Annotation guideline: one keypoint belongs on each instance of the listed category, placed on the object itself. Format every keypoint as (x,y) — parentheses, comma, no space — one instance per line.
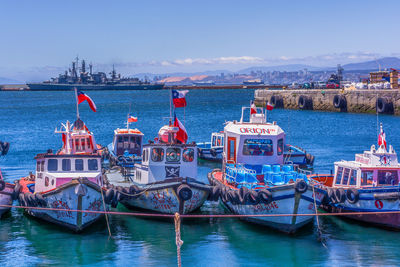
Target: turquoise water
(28,120)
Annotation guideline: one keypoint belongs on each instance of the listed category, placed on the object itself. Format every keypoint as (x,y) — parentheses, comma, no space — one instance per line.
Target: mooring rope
(178,239)
(106,215)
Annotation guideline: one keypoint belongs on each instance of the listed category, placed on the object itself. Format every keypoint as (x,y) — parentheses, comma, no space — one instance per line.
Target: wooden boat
(254,179)
(69,179)
(368,184)
(212,151)
(7,194)
(126,147)
(165,181)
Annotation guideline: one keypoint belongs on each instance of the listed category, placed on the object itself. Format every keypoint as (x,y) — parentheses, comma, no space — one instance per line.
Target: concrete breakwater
(339,100)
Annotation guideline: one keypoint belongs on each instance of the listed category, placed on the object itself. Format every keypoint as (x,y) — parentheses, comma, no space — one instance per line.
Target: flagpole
(77,104)
(170,104)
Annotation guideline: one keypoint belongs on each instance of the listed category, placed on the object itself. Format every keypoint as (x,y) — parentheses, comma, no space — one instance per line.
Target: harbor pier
(338,100)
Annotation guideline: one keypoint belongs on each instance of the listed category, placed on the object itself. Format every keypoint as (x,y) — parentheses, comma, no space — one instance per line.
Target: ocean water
(28,120)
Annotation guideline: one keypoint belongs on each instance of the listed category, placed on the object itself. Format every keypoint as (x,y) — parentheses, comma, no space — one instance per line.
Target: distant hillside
(4,80)
(290,67)
(385,63)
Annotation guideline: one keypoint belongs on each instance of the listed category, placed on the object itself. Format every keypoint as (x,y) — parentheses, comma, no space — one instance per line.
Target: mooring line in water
(106,215)
(139,214)
(178,240)
(320,238)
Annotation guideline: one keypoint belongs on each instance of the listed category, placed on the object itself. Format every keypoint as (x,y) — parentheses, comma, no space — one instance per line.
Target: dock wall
(338,100)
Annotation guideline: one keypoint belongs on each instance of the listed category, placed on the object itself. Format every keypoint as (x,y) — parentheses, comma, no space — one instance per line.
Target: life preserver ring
(352,195)
(2,185)
(184,192)
(340,195)
(213,152)
(265,196)
(300,186)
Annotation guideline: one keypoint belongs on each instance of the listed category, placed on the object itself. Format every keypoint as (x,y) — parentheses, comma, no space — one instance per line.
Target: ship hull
(86,87)
(6,198)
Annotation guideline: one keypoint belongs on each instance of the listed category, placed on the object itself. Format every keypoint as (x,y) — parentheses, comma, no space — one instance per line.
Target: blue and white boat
(254,179)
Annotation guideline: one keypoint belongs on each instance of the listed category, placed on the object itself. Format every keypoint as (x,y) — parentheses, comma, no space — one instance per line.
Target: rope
(317,219)
(106,215)
(178,240)
(160,215)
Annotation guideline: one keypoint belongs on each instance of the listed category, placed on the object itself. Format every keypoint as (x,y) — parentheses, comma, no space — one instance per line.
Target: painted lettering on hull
(162,201)
(265,207)
(256,130)
(95,206)
(59,204)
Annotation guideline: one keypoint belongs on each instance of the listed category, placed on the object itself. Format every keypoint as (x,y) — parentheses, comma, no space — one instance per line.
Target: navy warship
(87,80)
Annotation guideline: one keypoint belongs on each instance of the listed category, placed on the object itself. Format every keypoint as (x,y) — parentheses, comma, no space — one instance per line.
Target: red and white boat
(7,194)
(368,184)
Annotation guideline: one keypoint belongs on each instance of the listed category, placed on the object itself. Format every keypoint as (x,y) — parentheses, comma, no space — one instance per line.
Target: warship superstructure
(87,80)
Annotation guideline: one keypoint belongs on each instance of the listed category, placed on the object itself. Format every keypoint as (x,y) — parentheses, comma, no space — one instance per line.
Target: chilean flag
(270,106)
(253,109)
(382,138)
(178,98)
(82,97)
(181,135)
(132,119)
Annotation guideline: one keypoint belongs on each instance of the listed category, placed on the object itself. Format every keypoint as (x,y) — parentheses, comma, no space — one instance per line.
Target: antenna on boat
(77,104)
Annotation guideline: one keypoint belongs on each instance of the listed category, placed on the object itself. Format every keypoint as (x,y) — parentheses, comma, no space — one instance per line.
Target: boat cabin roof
(135,131)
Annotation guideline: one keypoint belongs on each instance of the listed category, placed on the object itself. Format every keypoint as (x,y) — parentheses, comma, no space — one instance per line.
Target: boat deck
(115,177)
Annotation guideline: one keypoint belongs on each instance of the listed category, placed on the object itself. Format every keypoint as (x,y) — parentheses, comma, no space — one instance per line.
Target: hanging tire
(331,195)
(252,198)
(184,192)
(213,152)
(300,186)
(215,193)
(340,195)
(233,197)
(384,106)
(40,200)
(243,191)
(2,185)
(21,198)
(134,189)
(340,101)
(115,200)
(325,200)
(352,195)
(309,159)
(305,102)
(109,195)
(265,196)
(276,101)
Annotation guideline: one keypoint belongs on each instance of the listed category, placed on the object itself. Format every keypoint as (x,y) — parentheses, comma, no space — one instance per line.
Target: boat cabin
(78,158)
(127,140)
(166,159)
(217,140)
(253,141)
(376,167)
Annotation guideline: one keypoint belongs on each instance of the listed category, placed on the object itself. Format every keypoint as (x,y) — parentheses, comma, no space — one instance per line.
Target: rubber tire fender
(21,198)
(215,193)
(2,185)
(40,199)
(252,198)
(109,195)
(336,101)
(309,159)
(115,200)
(352,195)
(243,191)
(184,192)
(300,186)
(331,195)
(381,104)
(232,197)
(265,196)
(340,195)
(134,189)
(302,102)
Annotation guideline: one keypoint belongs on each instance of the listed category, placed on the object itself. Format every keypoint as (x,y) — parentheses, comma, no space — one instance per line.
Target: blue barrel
(276,168)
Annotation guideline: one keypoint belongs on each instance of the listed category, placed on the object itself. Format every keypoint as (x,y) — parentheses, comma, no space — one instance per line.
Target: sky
(42,37)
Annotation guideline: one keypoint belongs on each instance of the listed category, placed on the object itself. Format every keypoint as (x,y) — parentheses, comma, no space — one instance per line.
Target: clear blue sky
(163,36)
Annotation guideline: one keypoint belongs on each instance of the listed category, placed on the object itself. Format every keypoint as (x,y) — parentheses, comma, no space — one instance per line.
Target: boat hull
(79,194)
(372,201)
(285,200)
(211,154)
(6,198)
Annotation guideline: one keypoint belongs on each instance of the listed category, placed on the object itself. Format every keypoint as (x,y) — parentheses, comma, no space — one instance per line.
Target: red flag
(64,139)
(82,97)
(178,98)
(132,119)
(181,135)
(382,138)
(253,109)
(270,106)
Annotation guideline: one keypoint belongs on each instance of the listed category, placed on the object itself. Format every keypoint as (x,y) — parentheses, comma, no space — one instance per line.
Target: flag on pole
(132,119)
(382,138)
(270,106)
(253,108)
(82,97)
(181,135)
(178,98)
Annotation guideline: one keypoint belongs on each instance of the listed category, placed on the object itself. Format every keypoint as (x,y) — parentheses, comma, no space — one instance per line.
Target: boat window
(79,165)
(231,148)
(345,176)
(52,165)
(339,175)
(92,165)
(119,139)
(214,143)
(144,155)
(126,138)
(386,177)
(88,142)
(157,154)
(46,181)
(133,139)
(367,177)
(353,177)
(173,154)
(280,147)
(219,141)
(83,143)
(258,147)
(42,166)
(38,166)
(66,164)
(188,154)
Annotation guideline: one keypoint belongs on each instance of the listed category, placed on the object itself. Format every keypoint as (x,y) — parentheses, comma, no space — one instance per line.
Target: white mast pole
(170,103)
(77,104)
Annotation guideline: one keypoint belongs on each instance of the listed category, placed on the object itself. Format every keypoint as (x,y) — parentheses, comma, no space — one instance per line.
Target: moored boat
(7,194)
(368,185)
(254,179)
(166,179)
